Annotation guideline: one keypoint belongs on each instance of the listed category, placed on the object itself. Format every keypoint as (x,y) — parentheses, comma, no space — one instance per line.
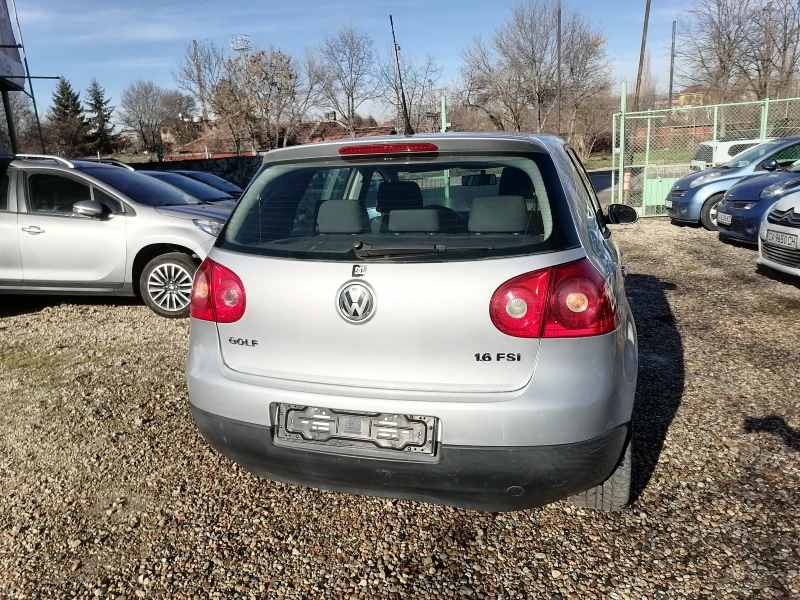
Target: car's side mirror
(770,165)
(88,208)
(621,214)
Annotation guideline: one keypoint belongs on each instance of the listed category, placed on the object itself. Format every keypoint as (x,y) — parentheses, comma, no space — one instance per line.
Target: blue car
(696,197)
(745,205)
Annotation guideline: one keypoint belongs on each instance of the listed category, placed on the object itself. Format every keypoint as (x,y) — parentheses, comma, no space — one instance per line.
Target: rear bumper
(473,477)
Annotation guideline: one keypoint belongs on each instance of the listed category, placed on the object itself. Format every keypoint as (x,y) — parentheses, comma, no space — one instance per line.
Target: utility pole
(637,95)
(558,67)
(672,65)
(28,73)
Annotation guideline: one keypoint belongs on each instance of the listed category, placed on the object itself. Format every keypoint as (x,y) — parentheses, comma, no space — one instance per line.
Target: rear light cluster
(217,294)
(570,300)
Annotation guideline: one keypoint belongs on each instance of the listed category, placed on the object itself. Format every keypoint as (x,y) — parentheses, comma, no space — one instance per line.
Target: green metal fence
(655,148)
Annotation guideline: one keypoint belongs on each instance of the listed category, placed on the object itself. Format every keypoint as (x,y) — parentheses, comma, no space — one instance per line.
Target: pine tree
(101,130)
(67,119)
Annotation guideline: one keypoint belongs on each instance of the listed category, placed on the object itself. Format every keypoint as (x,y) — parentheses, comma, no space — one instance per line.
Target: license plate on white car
(723,218)
(668,203)
(781,239)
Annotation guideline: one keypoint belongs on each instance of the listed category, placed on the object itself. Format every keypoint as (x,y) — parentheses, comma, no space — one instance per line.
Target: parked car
(746,204)
(85,228)
(714,154)
(777,239)
(194,188)
(214,181)
(459,348)
(696,197)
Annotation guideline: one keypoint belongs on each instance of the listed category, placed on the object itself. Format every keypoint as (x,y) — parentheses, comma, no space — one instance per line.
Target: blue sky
(118,41)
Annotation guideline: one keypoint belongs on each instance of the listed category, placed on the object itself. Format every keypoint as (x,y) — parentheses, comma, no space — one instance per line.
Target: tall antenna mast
(408,130)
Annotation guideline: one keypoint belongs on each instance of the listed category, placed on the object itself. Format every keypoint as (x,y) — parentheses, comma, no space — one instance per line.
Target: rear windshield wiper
(365,249)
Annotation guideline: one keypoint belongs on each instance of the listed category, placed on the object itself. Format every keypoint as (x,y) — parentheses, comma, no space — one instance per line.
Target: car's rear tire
(165,284)
(614,493)
(708,216)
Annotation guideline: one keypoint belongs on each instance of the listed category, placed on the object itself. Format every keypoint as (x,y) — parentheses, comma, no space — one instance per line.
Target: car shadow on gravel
(775,425)
(778,276)
(661,374)
(14,305)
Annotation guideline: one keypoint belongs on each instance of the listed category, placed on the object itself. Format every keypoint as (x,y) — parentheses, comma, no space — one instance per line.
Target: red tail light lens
(579,303)
(569,300)
(387,149)
(217,294)
(518,305)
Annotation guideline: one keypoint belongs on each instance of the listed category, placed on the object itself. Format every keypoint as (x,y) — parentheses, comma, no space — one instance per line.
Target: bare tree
(421,81)
(199,72)
(308,92)
(713,45)
(350,80)
(512,79)
(146,106)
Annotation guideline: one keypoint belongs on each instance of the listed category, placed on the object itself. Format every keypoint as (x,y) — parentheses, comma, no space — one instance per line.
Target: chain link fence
(655,148)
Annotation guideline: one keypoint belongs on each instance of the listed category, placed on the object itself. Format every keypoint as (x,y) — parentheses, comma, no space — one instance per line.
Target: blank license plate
(723,218)
(668,203)
(365,434)
(781,239)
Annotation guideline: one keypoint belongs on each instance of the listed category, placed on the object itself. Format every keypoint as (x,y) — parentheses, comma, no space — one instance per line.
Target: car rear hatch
(401,301)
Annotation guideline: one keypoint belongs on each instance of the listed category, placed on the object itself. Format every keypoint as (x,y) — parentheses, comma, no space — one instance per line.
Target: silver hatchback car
(470,344)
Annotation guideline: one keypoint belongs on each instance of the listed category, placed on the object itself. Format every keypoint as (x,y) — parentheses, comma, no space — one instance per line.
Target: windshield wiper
(365,249)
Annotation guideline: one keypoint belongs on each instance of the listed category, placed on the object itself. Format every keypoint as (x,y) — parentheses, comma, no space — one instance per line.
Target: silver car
(471,344)
(87,228)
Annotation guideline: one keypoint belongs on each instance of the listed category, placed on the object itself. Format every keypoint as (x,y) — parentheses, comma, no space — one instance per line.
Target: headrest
(393,195)
(340,216)
(515,182)
(498,214)
(420,220)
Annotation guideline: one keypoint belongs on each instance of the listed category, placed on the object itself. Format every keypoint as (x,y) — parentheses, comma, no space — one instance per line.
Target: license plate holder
(403,437)
(724,218)
(782,239)
(668,203)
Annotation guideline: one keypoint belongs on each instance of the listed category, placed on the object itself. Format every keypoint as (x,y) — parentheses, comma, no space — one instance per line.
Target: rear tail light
(217,294)
(408,148)
(570,300)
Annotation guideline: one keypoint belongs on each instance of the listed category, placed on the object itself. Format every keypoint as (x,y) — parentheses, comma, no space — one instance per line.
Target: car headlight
(779,188)
(210,227)
(704,179)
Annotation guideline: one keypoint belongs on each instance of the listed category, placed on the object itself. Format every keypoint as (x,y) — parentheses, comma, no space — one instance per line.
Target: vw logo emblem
(356,303)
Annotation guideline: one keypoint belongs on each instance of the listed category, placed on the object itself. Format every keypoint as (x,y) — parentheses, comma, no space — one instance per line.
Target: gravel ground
(106,489)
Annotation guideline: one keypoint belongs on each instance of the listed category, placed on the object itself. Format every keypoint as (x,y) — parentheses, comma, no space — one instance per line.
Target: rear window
(704,153)
(437,209)
(739,148)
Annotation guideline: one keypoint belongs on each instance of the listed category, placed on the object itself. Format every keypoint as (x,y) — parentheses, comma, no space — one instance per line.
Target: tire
(614,493)
(165,284)
(708,216)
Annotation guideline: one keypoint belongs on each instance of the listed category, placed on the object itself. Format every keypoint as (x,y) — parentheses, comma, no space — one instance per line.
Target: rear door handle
(33,230)
(624,271)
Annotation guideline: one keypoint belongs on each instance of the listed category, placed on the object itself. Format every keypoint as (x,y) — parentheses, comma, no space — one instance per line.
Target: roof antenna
(408,130)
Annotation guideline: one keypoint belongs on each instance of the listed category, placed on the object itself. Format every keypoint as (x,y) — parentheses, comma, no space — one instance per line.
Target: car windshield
(433,209)
(141,188)
(705,152)
(198,189)
(215,181)
(752,155)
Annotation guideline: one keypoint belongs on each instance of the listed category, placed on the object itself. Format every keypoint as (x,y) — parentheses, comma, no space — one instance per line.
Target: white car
(777,240)
(713,154)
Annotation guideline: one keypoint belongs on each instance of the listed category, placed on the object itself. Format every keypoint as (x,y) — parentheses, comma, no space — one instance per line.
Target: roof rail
(57,159)
(110,161)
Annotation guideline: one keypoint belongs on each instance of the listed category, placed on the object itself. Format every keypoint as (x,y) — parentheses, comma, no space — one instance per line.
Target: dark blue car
(744,206)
